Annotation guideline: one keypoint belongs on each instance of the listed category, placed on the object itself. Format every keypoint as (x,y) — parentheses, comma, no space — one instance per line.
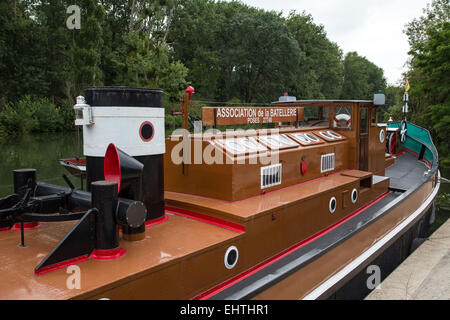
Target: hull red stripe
(277,257)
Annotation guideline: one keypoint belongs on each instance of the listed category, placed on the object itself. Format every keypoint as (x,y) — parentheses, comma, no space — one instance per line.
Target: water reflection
(40,152)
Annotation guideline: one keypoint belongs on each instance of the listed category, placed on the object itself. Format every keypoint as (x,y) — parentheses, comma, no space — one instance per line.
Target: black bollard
(104,198)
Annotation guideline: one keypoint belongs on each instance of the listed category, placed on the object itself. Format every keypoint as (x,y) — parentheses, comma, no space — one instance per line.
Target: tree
(143,56)
(429,74)
(362,78)
(22,54)
(234,51)
(268,56)
(320,73)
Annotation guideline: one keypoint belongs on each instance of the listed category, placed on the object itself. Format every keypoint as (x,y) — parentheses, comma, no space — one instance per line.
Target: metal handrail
(431,147)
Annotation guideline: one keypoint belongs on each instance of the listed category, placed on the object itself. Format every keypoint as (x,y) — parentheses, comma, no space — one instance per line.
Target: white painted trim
(335,205)
(121,126)
(325,286)
(382,135)
(351,195)
(127,112)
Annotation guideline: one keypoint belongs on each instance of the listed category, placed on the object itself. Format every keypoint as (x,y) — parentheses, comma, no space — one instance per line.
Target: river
(41,152)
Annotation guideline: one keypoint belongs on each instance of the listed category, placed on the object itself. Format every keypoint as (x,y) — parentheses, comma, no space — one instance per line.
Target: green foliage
(362,78)
(3,133)
(438,117)
(173,80)
(233,50)
(443,201)
(120,42)
(226,50)
(320,71)
(32,114)
(429,76)
(393,106)
(22,54)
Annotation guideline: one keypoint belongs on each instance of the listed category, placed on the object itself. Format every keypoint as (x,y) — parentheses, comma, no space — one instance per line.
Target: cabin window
(374,116)
(363,115)
(316,116)
(342,117)
(310,113)
(325,116)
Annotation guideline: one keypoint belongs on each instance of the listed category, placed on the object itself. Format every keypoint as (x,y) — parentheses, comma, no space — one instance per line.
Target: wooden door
(363,139)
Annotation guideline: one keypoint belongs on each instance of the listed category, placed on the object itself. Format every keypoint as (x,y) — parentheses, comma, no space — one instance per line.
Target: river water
(42,151)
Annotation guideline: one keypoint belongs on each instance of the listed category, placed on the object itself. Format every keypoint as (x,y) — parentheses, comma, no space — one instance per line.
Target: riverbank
(423,275)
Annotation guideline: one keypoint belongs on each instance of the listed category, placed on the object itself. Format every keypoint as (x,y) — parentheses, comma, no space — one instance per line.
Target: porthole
(146,131)
(332,205)
(382,136)
(354,195)
(231,257)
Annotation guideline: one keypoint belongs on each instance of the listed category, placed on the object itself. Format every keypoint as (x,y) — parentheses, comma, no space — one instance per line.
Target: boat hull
(342,272)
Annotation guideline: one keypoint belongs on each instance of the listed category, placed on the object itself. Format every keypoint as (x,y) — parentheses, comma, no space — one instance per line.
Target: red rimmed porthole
(146,131)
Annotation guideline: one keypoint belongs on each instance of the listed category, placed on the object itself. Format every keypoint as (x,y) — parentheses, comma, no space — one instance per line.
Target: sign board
(223,116)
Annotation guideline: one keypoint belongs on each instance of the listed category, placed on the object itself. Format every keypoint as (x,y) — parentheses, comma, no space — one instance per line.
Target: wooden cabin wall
(213,180)
(246,180)
(232,182)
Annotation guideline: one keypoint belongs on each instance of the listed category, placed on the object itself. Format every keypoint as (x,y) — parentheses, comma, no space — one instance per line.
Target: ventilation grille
(270,175)
(327,162)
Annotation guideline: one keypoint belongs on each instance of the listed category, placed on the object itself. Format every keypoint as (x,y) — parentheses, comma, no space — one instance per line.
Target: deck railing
(419,141)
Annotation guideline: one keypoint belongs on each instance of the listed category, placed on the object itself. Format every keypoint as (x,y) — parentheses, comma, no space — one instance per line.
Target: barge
(297,211)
